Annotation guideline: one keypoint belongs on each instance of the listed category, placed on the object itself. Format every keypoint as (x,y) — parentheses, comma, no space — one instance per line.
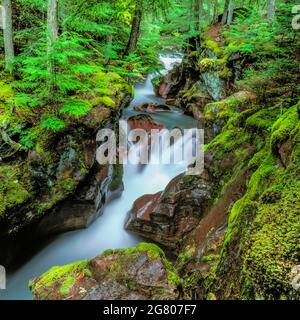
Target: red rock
(144,122)
(151,107)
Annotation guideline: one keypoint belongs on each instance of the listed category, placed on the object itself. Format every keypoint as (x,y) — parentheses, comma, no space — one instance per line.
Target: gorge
(74,228)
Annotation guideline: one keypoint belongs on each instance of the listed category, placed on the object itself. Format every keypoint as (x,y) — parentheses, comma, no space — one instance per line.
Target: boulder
(141,273)
(144,122)
(167,217)
(151,107)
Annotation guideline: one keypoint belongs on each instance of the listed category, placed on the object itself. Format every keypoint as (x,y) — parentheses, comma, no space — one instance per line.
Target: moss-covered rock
(137,273)
(12,192)
(262,240)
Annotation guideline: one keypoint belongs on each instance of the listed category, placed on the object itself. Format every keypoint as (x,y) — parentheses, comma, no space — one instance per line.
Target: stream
(108,231)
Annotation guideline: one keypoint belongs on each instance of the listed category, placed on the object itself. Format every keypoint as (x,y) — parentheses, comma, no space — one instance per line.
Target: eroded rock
(167,217)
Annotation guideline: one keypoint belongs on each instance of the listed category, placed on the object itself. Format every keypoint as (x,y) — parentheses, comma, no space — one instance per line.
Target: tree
(225,13)
(197,13)
(135,28)
(230,12)
(8,33)
(141,8)
(208,11)
(271,10)
(216,11)
(52,34)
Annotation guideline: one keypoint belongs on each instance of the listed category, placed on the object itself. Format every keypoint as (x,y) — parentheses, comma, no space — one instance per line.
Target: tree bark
(225,13)
(271,10)
(197,14)
(209,11)
(216,11)
(52,35)
(230,12)
(52,22)
(8,33)
(135,28)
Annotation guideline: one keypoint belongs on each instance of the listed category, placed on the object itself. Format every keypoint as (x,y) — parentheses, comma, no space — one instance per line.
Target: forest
(70,68)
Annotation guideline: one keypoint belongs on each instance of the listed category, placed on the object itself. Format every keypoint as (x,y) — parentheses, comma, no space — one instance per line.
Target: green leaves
(52,123)
(76,107)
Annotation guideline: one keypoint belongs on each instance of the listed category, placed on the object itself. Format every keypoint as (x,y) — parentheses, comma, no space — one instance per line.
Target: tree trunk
(225,13)
(230,12)
(135,28)
(52,34)
(216,11)
(271,10)
(8,33)
(197,14)
(209,11)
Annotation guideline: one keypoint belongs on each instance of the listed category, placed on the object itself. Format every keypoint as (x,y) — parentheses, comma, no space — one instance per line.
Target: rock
(144,122)
(67,188)
(86,205)
(96,117)
(141,273)
(151,107)
(167,217)
(285,151)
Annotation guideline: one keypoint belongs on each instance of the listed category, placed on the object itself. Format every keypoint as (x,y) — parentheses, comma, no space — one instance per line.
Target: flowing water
(108,231)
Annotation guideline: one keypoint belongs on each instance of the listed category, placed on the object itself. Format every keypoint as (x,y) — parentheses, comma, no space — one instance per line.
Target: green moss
(228,140)
(273,244)
(12,192)
(263,119)
(185,256)
(225,73)
(65,275)
(207,65)
(225,109)
(6,92)
(66,286)
(214,47)
(153,252)
(264,224)
(285,126)
(210,258)
(108,102)
(117,177)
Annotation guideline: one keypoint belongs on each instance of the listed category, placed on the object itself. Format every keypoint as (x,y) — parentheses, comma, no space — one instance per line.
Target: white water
(108,231)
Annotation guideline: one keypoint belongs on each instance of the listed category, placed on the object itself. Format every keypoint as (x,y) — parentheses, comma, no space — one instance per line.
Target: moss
(66,286)
(273,245)
(207,65)
(117,177)
(185,256)
(214,47)
(153,252)
(12,192)
(108,102)
(63,278)
(209,258)
(264,225)
(225,73)
(65,275)
(285,126)
(263,119)
(6,92)
(225,109)
(211,296)
(228,140)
